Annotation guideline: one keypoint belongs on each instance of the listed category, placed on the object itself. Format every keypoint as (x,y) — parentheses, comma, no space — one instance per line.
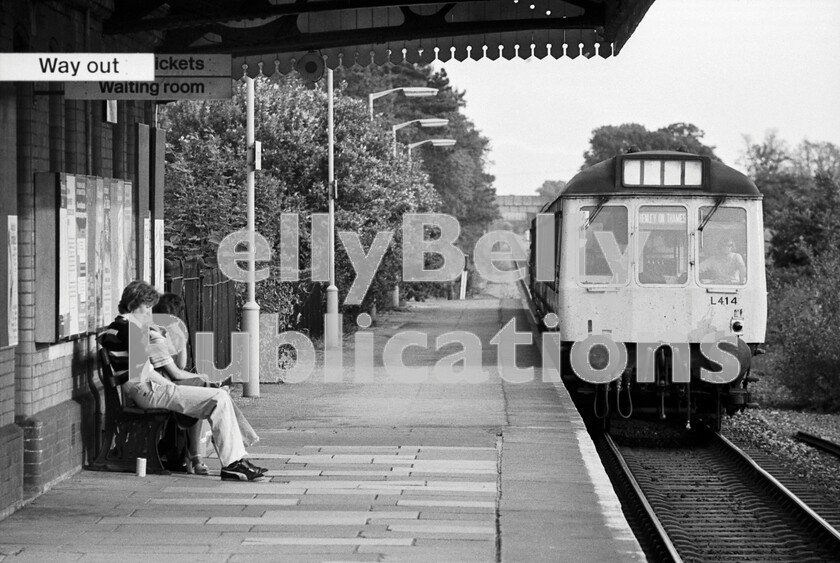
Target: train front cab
(651,265)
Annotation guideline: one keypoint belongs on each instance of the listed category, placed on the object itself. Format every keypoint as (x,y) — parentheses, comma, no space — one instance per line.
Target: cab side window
(722,246)
(603,256)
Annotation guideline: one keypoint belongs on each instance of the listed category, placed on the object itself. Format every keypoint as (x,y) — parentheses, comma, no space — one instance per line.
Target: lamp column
(332,330)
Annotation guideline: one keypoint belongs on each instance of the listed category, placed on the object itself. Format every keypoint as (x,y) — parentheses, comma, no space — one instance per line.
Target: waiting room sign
(176,77)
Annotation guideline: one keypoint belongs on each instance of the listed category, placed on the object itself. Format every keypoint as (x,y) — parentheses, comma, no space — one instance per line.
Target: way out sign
(177,77)
(70,67)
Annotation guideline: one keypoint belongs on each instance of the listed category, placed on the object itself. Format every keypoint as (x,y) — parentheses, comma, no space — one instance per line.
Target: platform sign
(69,67)
(177,77)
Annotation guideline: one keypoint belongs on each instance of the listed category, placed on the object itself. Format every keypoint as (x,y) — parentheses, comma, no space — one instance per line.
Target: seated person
(726,266)
(154,391)
(168,355)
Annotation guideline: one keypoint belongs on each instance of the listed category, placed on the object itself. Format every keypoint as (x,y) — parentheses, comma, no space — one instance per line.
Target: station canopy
(269,36)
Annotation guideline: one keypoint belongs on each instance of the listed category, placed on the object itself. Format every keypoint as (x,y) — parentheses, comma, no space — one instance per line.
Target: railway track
(818,442)
(704,500)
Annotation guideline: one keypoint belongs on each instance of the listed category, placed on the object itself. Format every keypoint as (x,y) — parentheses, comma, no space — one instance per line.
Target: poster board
(86,243)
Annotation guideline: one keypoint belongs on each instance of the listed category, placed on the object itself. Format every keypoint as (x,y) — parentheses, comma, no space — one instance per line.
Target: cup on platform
(141,466)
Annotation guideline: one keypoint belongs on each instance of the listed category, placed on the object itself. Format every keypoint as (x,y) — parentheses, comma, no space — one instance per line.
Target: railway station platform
(371,468)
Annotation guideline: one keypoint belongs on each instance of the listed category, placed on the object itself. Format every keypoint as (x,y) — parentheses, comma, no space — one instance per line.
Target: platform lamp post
(409,91)
(332,328)
(251,310)
(434,143)
(425,122)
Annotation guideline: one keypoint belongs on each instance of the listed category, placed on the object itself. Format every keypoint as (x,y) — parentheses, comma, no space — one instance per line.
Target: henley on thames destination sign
(176,77)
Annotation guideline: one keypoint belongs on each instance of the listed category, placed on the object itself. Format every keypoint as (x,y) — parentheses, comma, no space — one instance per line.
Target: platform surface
(370,468)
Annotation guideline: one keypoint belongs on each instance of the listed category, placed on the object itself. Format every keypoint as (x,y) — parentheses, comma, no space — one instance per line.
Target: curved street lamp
(409,91)
(434,142)
(424,122)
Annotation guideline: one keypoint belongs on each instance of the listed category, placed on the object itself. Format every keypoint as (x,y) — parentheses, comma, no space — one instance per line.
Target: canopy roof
(268,36)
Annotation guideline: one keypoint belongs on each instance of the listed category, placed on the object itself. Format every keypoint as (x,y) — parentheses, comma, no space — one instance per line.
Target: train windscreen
(663,244)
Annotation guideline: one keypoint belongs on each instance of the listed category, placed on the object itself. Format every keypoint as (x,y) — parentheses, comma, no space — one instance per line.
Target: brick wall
(45,406)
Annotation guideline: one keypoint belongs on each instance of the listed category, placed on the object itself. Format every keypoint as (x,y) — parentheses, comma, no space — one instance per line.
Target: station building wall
(46,410)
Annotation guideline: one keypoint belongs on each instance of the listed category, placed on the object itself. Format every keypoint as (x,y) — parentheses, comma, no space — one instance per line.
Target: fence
(210,299)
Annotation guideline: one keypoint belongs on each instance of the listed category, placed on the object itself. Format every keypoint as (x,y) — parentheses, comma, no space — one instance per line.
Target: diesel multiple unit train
(651,267)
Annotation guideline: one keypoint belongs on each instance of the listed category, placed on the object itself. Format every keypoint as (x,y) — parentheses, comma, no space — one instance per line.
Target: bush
(805,321)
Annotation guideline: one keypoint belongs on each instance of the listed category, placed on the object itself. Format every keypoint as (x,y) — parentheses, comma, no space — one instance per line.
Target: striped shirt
(115,341)
(160,350)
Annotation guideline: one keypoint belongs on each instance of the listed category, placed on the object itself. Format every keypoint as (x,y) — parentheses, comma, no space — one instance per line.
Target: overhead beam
(129,22)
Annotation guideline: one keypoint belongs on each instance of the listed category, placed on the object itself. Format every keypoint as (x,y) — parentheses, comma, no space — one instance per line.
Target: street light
(409,91)
(434,142)
(425,122)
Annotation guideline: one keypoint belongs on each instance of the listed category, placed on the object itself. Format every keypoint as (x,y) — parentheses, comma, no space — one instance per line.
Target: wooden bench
(129,432)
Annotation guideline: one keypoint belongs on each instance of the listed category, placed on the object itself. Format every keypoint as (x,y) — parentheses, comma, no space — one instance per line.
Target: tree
(610,140)
(206,177)
(550,189)
(457,173)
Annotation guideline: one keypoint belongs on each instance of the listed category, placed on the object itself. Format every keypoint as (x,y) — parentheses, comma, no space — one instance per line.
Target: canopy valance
(268,36)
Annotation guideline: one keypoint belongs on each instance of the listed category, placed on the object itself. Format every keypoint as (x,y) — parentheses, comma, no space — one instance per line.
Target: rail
(818,442)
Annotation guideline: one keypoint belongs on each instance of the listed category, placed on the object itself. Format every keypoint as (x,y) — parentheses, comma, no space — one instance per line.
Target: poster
(72,325)
(63,260)
(117,242)
(81,317)
(107,310)
(12,298)
(147,250)
(129,247)
(158,281)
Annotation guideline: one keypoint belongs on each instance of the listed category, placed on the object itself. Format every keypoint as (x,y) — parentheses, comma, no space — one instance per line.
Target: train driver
(726,266)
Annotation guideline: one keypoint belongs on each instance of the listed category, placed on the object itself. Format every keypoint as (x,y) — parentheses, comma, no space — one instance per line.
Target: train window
(723,246)
(693,173)
(662,173)
(603,257)
(632,172)
(673,172)
(652,173)
(663,245)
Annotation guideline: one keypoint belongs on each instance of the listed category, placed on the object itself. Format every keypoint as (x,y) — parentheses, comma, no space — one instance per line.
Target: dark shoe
(239,471)
(260,470)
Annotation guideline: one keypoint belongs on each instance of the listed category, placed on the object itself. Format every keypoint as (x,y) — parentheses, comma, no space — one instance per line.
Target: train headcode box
(176,77)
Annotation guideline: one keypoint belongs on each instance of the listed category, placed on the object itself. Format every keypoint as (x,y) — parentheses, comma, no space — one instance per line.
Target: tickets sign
(177,77)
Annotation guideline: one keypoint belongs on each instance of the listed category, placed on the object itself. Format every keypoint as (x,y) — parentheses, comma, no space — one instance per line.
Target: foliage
(550,189)
(206,175)
(804,325)
(457,173)
(801,191)
(610,140)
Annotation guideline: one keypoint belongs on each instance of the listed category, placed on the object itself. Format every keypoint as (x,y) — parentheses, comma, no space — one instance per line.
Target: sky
(733,68)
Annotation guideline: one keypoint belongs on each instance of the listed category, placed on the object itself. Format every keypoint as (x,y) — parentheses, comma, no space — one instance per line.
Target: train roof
(668,172)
